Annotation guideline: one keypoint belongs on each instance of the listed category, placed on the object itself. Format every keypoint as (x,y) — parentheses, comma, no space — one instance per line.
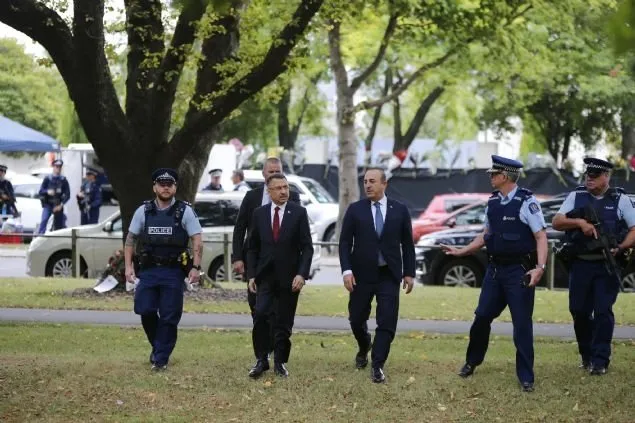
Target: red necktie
(276,224)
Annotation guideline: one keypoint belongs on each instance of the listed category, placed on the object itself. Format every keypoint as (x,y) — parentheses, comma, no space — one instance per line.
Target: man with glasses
(159,234)
(593,287)
(516,243)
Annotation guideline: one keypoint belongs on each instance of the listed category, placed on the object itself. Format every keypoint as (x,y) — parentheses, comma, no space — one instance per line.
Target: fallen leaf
(119,402)
(441,407)
(410,380)
(267,383)
(451,395)
(575,407)
(354,405)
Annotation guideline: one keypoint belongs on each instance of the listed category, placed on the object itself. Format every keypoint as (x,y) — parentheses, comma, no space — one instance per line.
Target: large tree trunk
(347,143)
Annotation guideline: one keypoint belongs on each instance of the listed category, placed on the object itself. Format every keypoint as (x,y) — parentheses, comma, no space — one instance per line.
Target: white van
(320,204)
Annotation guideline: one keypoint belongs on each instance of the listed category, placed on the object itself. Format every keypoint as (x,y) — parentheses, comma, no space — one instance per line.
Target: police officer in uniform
(89,198)
(592,289)
(214,184)
(54,193)
(516,243)
(159,232)
(7,196)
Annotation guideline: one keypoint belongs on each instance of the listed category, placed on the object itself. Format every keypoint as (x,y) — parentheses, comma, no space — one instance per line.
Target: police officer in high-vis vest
(516,243)
(89,198)
(158,238)
(593,285)
(54,193)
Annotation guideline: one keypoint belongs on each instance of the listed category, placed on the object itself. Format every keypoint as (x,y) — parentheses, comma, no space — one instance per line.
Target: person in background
(89,198)
(214,184)
(54,193)
(238,179)
(7,196)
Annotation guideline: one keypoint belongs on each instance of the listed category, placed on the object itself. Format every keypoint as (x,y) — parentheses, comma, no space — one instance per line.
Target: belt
(590,257)
(504,260)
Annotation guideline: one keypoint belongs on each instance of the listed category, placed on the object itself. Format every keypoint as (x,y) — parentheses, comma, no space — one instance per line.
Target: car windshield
(472,216)
(318,191)
(26,190)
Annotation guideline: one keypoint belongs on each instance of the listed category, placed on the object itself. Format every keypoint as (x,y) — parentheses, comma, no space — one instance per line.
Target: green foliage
(29,94)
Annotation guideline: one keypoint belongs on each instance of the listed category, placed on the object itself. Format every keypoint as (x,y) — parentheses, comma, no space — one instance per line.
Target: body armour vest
(55,183)
(507,234)
(163,234)
(607,212)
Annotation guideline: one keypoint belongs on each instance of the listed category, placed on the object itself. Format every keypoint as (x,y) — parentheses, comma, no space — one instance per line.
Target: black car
(434,267)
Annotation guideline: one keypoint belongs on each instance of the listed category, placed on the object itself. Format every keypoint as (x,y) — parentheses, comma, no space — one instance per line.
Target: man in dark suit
(374,233)
(252,200)
(278,263)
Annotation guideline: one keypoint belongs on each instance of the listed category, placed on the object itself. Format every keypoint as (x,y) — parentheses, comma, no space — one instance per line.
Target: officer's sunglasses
(165,183)
(492,174)
(593,175)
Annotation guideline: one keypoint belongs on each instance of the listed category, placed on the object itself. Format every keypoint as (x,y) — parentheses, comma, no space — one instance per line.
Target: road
(13,265)
(302,323)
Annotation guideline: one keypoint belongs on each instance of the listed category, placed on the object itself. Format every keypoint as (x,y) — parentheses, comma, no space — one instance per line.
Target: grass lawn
(425,302)
(64,373)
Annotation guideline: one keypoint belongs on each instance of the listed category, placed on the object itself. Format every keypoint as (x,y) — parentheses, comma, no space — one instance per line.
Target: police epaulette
(527,193)
(616,191)
(148,206)
(580,188)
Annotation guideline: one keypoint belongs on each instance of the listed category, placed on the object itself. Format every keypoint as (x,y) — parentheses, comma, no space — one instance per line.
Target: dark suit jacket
(360,245)
(251,201)
(291,255)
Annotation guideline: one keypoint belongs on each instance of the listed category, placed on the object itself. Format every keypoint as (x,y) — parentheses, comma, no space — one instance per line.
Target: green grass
(64,373)
(425,302)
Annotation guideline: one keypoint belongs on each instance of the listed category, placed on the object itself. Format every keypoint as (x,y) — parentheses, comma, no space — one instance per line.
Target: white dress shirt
(265,197)
(280,212)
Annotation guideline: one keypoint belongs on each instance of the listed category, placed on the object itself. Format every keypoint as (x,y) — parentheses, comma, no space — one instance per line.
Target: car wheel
(217,271)
(60,266)
(330,236)
(460,273)
(628,282)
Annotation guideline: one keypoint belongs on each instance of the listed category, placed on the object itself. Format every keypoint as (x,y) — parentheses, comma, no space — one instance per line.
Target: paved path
(303,323)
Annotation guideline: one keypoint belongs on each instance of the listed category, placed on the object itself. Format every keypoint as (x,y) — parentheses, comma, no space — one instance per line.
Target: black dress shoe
(597,370)
(152,359)
(159,367)
(280,369)
(527,387)
(466,370)
(585,365)
(361,360)
(259,368)
(377,375)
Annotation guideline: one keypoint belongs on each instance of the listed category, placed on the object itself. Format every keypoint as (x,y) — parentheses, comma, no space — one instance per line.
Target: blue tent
(17,137)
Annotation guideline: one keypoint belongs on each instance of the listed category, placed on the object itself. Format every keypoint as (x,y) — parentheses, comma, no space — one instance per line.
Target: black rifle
(603,241)
(10,202)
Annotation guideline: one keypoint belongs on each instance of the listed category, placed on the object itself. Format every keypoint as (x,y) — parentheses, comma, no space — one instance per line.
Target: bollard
(75,265)
(228,259)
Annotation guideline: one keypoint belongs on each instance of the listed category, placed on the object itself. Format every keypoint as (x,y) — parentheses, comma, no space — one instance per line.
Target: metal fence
(227,241)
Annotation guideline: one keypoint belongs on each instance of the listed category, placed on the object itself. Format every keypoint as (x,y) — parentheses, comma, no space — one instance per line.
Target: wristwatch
(198,267)
(541,266)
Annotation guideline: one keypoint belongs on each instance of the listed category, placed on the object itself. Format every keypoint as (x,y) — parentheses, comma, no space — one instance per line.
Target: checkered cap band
(594,166)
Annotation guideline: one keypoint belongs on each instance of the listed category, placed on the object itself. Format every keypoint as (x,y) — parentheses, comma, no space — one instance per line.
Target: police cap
(165,174)
(58,162)
(92,171)
(596,166)
(502,164)
(215,172)
(3,168)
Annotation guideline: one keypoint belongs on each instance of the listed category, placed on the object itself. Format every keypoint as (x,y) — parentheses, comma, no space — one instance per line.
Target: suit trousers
(502,286)
(274,299)
(251,300)
(386,293)
(592,293)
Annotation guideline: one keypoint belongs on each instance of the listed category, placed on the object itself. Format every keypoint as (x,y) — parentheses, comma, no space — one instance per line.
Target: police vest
(607,212)
(507,234)
(163,234)
(55,183)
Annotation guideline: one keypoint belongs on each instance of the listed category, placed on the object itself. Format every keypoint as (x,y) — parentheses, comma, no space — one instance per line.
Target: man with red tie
(279,257)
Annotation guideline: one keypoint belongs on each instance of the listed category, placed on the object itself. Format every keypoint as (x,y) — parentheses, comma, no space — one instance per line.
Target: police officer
(7,196)
(54,193)
(592,289)
(159,233)
(516,243)
(214,184)
(89,198)
(238,179)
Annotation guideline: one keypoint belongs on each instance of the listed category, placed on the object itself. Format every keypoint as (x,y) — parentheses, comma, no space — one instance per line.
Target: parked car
(51,255)
(436,268)
(322,208)
(442,205)
(470,214)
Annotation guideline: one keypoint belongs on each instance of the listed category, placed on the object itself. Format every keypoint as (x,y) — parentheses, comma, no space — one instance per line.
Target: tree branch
(337,65)
(169,73)
(377,113)
(145,44)
(420,115)
(45,26)
(390,29)
(364,105)
(284,135)
(295,129)
(272,65)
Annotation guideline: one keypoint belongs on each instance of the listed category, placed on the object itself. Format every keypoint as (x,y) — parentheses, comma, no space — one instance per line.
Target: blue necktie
(379,227)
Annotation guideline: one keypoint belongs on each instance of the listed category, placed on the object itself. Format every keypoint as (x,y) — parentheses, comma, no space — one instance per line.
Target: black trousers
(386,293)
(251,299)
(274,310)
